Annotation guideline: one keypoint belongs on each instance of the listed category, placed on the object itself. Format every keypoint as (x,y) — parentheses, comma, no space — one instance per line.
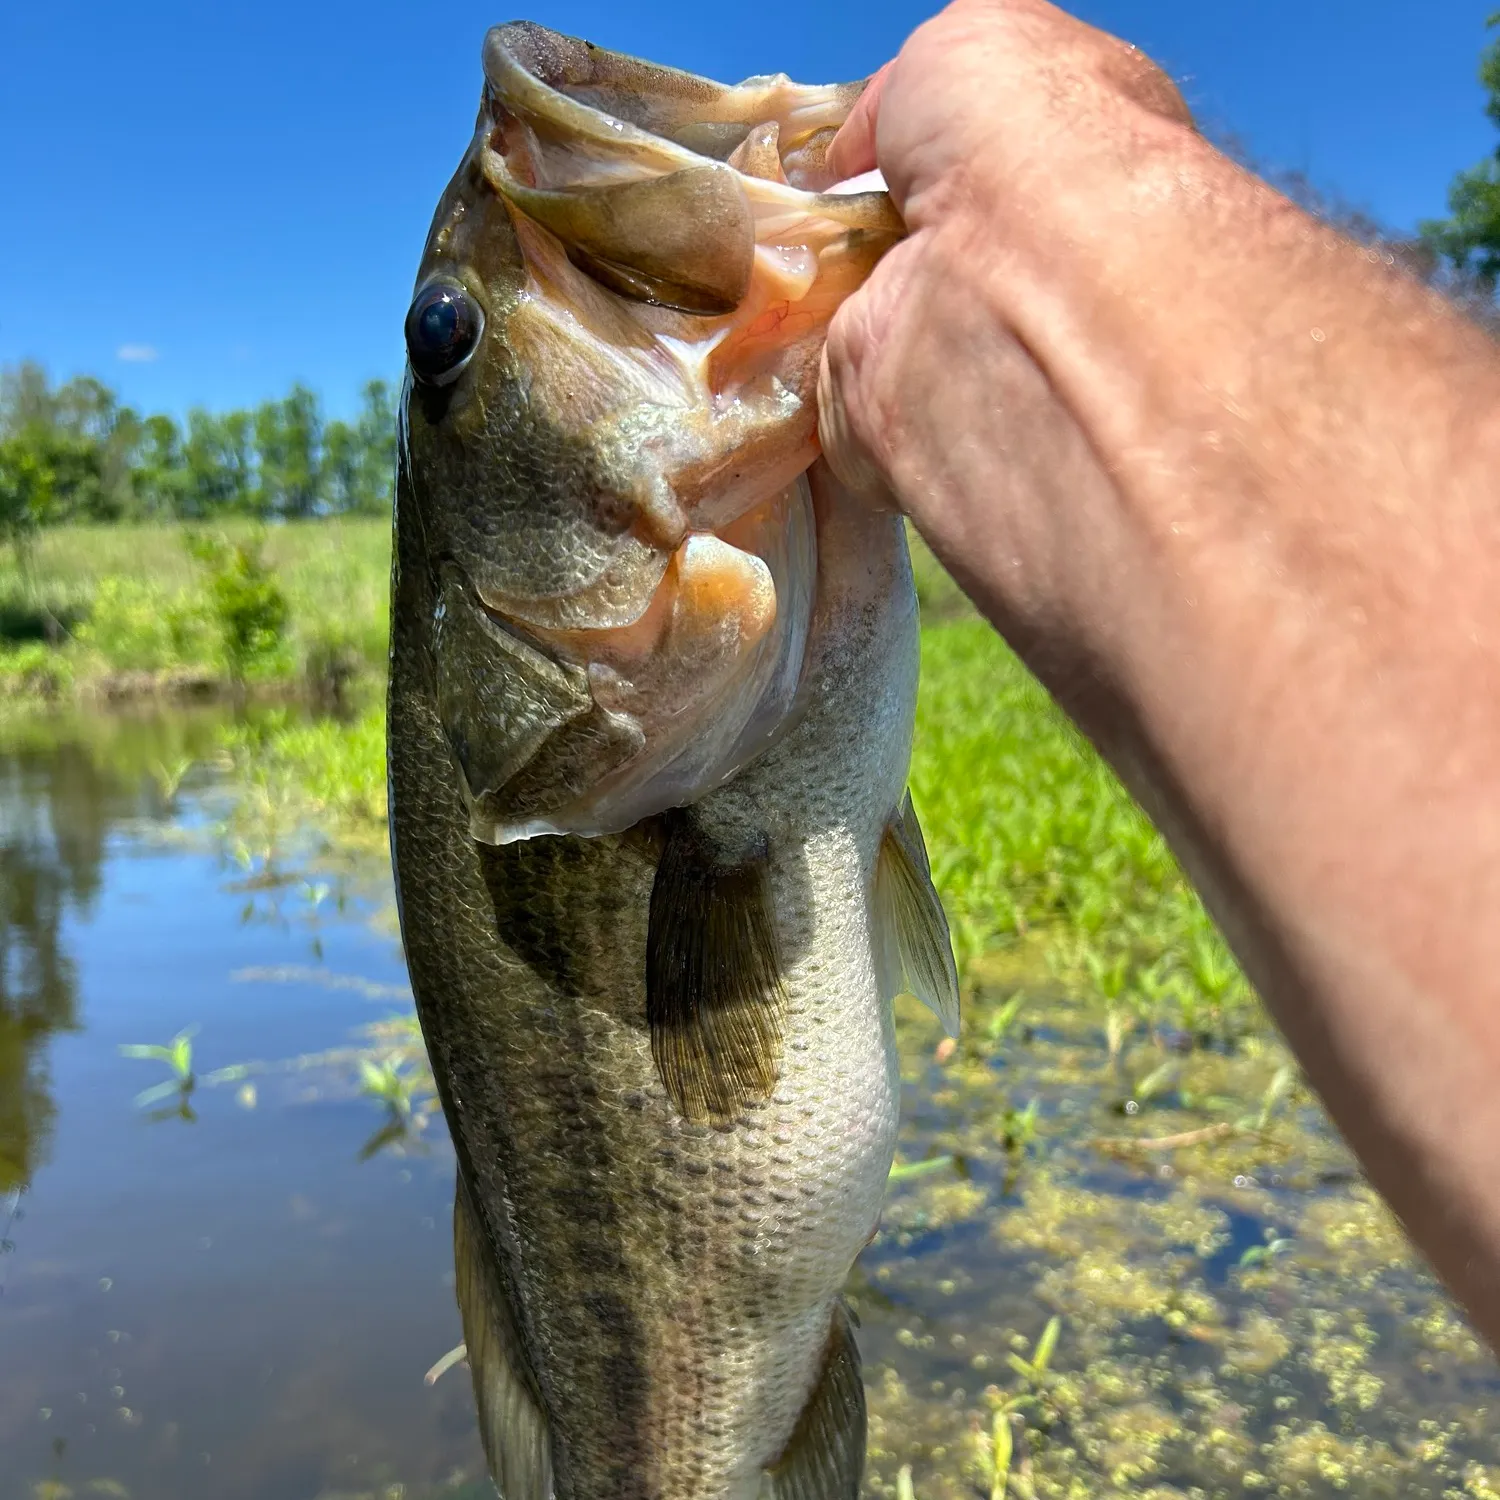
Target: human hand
(1225,480)
(1008,132)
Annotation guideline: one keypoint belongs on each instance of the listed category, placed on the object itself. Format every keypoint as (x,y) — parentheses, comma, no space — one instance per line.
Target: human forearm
(1298,658)
(1223,478)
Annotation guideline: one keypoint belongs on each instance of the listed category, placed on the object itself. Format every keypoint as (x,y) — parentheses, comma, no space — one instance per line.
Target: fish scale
(665,1052)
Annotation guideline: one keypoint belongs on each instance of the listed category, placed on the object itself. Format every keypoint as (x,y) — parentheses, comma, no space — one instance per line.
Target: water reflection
(243,1308)
(65,784)
(52,828)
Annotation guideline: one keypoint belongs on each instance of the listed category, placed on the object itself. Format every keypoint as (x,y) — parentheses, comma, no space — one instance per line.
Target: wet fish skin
(662,1184)
(595,437)
(673,1284)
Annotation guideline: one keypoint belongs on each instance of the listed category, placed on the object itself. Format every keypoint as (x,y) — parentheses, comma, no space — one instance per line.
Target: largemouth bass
(652,688)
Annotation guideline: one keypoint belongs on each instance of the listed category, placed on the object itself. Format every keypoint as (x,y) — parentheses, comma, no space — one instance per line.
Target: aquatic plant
(177,1054)
(168,777)
(387,1080)
(906,1171)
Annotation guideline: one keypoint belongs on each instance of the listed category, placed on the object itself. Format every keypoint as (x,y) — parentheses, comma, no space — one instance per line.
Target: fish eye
(442,331)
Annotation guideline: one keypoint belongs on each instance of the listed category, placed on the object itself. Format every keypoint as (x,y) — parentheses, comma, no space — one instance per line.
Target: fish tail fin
(512,1423)
(825,1459)
(913,948)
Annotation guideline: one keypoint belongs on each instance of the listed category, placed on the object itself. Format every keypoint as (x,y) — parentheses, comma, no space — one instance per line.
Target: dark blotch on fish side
(715,1000)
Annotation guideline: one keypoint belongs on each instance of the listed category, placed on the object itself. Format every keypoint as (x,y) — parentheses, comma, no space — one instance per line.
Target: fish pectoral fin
(913,947)
(826,1456)
(685,240)
(512,1423)
(715,1001)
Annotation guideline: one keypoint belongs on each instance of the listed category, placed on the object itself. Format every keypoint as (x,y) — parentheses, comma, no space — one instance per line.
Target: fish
(651,698)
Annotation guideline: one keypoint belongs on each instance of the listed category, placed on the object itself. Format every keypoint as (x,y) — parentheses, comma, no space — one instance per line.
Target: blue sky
(202,203)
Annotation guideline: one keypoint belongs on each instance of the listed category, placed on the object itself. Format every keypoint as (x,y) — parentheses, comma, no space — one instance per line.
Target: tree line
(1468,240)
(75,452)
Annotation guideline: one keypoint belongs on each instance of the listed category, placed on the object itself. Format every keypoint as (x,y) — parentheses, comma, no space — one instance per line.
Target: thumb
(853,465)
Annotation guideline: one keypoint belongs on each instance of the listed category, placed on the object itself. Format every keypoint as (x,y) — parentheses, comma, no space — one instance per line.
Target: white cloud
(136,354)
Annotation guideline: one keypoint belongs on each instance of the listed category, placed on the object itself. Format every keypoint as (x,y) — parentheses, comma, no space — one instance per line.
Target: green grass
(95,604)
(1030,833)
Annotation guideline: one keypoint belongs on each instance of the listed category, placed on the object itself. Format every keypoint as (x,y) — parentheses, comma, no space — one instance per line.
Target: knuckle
(1143,81)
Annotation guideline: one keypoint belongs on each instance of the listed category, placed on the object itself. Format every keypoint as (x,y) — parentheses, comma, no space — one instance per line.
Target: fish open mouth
(685,225)
(682,258)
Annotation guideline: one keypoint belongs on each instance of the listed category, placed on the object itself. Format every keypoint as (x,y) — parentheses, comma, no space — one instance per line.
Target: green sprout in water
(904,1171)
(1001,1449)
(168,777)
(1281,1087)
(403,1093)
(1001,1022)
(1034,1372)
(1161,1080)
(389,1083)
(314,893)
(1260,1255)
(178,1056)
(1035,1376)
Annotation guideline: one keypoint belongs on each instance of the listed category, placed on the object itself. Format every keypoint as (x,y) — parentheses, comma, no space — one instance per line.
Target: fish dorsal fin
(715,999)
(826,1456)
(512,1424)
(914,950)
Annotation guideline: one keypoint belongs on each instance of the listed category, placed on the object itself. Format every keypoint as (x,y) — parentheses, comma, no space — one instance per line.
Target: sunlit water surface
(235,1291)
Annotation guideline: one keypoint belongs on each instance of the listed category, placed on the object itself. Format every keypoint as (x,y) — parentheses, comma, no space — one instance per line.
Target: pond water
(235,1298)
(236,1290)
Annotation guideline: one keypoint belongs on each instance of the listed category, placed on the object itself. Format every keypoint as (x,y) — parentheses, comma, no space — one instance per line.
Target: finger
(851,462)
(853,148)
(1140,79)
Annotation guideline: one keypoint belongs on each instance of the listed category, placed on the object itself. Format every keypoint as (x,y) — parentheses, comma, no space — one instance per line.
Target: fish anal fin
(914,950)
(826,1456)
(715,1001)
(512,1423)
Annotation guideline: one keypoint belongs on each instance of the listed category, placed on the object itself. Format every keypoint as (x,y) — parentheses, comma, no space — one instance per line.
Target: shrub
(246,601)
(33,669)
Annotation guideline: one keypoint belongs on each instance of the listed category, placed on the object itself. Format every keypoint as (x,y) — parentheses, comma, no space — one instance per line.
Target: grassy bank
(121,610)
